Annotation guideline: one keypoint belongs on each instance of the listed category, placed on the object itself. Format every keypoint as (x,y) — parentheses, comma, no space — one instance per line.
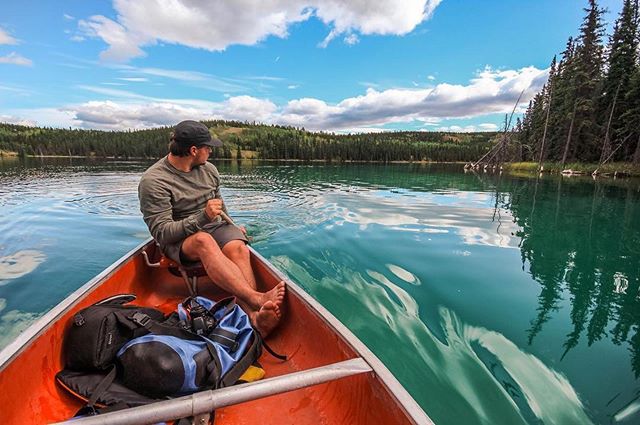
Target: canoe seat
(189,272)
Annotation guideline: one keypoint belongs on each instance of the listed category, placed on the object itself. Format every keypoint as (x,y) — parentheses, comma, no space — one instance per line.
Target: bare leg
(263,308)
(268,316)
(237,252)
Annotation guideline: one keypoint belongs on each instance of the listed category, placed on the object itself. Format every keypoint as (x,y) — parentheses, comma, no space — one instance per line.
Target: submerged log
(570,172)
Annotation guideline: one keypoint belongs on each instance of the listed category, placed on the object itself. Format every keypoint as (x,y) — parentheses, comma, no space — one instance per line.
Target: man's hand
(213,208)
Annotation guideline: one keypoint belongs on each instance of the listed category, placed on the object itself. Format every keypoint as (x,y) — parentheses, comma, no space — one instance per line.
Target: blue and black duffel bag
(119,355)
(160,365)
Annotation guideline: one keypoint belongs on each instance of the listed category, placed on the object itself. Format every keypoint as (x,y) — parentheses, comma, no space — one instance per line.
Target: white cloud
(431,77)
(216,25)
(489,92)
(17,120)
(123,44)
(68,17)
(459,128)
(51,117)
(17,90)
(351,39)
(488,127)
(193,78)
(5,38)
(134,79)
(15,59)
(292,86)
(385,17)
(110,115)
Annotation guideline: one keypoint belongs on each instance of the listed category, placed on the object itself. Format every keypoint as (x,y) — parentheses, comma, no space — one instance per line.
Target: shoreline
(141,158)
(611,170)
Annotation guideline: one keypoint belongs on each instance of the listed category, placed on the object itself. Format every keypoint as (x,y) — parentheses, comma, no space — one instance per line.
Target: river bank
(613,169)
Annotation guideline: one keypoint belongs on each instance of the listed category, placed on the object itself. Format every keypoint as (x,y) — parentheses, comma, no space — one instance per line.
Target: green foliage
(591,96)
(267,142)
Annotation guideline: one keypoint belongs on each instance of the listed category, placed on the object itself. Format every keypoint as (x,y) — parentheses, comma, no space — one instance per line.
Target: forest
(250,141)
(589,109)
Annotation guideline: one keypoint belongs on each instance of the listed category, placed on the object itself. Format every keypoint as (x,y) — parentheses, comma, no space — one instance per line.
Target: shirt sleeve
(216,193)
(155,205)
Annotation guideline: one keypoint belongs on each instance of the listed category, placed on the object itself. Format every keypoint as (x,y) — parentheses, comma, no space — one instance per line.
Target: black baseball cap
(194,133)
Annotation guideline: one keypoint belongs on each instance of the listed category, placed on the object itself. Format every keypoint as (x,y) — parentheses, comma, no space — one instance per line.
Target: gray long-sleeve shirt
(173,201)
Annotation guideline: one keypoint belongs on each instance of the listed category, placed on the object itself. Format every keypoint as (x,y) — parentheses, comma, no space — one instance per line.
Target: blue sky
(329,65)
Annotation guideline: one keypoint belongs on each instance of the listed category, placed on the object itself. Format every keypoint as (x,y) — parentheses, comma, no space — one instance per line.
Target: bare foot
(275,295)
(266,319)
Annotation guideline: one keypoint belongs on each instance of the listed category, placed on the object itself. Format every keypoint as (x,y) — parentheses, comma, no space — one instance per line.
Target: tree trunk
(606,145)
(566,146)
(546,124)
(636,155)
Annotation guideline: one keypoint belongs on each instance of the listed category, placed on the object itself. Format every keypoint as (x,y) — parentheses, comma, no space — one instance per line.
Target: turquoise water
(493,299)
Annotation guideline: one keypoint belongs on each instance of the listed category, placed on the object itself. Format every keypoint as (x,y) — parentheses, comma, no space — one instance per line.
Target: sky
(325,65)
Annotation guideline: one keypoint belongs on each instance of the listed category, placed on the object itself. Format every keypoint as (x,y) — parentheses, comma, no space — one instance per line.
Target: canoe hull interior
(30,395)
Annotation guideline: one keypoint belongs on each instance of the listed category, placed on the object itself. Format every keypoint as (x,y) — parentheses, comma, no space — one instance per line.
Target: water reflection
(581,242)
(488,379)
(19,264)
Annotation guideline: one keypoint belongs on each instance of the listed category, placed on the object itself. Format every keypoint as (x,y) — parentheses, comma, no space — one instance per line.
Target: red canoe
(329,378)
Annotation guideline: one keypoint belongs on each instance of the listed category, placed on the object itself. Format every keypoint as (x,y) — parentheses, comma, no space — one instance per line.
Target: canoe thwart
(207,401)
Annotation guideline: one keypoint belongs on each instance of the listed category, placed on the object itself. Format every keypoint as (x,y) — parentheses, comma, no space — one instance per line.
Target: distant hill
(250,140)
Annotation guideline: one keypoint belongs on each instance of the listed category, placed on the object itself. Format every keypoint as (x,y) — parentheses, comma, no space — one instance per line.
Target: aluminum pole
(207,401)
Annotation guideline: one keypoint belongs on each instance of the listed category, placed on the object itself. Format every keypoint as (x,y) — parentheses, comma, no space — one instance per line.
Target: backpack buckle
(140,319)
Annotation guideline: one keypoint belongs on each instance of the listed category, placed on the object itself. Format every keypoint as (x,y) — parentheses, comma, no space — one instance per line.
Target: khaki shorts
(222,233)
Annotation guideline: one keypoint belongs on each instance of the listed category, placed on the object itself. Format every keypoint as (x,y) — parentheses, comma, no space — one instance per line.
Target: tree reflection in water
(585,246)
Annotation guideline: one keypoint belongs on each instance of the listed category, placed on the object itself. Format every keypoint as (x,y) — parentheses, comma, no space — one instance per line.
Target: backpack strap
(89,409)
(249,357)
(139,319)
(273,353)
(225,338)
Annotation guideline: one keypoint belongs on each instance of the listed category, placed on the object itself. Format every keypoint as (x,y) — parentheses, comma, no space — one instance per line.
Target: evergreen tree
(631,117)
(622,63)
(589,62)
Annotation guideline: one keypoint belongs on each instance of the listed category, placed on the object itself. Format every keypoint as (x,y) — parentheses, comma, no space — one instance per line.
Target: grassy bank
(619,168)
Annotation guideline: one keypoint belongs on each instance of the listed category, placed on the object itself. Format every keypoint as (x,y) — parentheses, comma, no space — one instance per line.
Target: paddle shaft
(208,401)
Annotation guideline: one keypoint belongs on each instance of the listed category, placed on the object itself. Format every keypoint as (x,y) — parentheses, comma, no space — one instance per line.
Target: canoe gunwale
(42,324)
(410,406)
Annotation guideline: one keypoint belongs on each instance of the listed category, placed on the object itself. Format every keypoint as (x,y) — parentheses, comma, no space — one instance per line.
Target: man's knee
(236,249)
(201,241)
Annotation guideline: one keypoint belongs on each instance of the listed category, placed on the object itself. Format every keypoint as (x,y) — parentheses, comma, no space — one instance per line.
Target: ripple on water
(19,264)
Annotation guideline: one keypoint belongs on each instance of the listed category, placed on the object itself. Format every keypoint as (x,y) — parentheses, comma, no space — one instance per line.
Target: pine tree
(564,115)
(631,117)
(622,63)
(589,62)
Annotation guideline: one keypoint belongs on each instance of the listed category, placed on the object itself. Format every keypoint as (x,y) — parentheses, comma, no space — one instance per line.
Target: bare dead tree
(544,133)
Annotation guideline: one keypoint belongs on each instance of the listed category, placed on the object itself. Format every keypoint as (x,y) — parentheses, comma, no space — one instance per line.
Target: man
(181,203)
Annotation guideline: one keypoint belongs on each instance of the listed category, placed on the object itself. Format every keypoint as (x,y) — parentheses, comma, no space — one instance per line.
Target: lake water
(493,299)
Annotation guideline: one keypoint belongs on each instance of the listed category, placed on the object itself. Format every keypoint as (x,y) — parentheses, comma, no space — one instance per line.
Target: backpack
(99,331)
(119,356)
(158,365)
